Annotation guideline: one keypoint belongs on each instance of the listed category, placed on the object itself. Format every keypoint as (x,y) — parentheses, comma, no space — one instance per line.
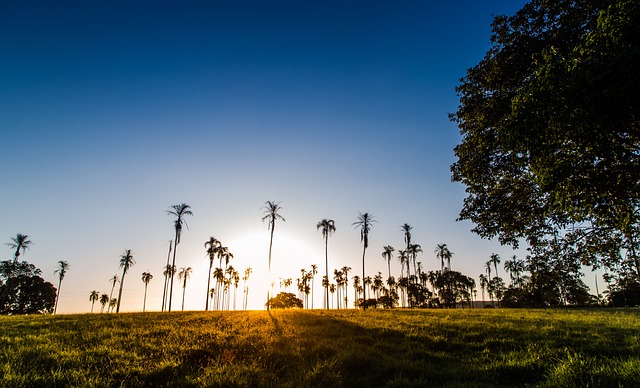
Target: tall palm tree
(356,287)
(179,211)
(387,253)
(63,267)
(20,243)
(327,227)
(247,273)
(488,266)
(112,304)
(413,251)
(514,267)
(93,297)
(184,275)
(364,222)
(218,274)
(146,278)
(271,215)
(443,253)
(104,300)
(345,283)
(495,260)
(166,273)
(213,245)
(313,272)
(406,229)
(126,262)
(113,282)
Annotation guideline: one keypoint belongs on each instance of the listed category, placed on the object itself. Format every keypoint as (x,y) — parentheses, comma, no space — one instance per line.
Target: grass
(456,348)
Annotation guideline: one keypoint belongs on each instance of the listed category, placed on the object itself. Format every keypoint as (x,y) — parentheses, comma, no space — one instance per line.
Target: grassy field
(471,348)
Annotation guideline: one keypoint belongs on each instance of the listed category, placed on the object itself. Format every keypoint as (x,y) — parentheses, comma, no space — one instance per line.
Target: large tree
(327,227)
(550,129)
(23,290)
(179,212)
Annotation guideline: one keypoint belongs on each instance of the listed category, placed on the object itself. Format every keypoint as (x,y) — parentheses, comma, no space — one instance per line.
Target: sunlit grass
(319,348)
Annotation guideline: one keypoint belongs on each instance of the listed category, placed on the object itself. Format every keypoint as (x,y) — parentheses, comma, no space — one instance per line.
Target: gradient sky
(110,112)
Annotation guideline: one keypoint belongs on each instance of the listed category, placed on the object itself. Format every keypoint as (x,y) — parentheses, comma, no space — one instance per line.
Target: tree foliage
(284,300)
(550,129)
(23,290)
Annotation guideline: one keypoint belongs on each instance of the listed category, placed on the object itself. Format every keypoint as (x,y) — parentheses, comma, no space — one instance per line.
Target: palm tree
(20,243)
(179,211)
(345,270)
(332,289)
(218,274)
(213,245)
(413,251)
(443,253)
(495,260)
(327,227)
(406,229)
(166,273)
(271,215)
(387,251)
(126,262)
(364,223)
(112,303)
(93,297)
(63,266)
(113,282)
(356,287)
(104,299)
(313,272)
(515,267)
(403,259)
(146,278)
(247,273)
(184,275)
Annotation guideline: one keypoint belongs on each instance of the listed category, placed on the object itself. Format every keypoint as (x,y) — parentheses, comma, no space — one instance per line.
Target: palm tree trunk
(55,307)
(364,289)
(120,292)
(206,305)
(173,265)
(270,246)
(326,262)
(144,303)
(166,279)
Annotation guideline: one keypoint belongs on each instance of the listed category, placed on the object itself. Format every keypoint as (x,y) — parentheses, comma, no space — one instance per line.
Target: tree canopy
(550,130)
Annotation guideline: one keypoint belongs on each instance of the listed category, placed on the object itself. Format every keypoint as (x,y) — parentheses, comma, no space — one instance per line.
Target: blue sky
(112,111)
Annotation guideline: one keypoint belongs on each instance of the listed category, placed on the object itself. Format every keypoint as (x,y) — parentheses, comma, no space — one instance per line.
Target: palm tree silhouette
(245,278)
(413,251)
(406,229)
(146,278)
(184,275)
(483,286)
(166,273)
(495,260)
(271,215)
(113,282)
(443,253)
(126,262)
(93,297)
(387,251)
(218,274)
(104,299)
(179,211)
(213,246)
(364,223)
(112,303)
(20,243)
(327,227)
(313,272)
(345,283)
(63,267)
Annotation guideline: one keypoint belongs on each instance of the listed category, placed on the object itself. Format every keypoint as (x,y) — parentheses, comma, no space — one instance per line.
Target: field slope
(472,348)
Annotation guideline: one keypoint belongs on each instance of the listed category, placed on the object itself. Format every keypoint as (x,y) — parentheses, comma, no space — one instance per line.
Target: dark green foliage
(22,291)
(285,300)
(551,130)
